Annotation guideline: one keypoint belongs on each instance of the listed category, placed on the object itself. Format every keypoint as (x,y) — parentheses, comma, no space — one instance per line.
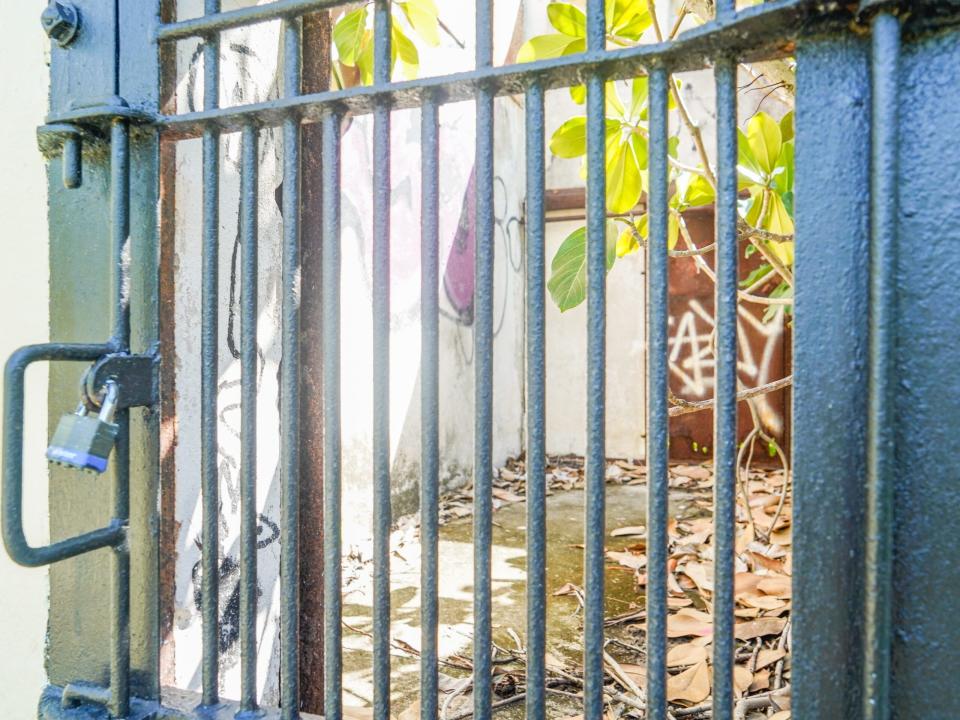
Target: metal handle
(12,514)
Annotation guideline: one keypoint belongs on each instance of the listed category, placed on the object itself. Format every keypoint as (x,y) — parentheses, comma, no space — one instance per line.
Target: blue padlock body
(81,460)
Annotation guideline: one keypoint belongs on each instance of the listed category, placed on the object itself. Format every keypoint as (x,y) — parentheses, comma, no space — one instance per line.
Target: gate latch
(115,381)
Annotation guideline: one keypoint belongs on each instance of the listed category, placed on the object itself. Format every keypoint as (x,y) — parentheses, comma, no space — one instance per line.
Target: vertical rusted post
(316,78)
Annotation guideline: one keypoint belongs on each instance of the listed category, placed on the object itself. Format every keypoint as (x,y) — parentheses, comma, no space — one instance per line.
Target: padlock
(84,441)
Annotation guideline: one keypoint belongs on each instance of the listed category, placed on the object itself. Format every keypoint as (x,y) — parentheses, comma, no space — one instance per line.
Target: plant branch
(701,263)
(681,108)
(682,406)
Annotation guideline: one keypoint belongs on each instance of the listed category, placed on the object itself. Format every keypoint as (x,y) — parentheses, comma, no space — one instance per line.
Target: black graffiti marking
(228,581)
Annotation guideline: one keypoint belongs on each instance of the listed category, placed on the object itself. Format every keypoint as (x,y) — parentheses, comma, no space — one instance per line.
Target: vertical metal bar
(382,516)
(120,228)
(657,419)
(536,409)
(483,373)
(120,641)
(290,387)
(725,391)
(429,403)
(209,378)
(884,209)
(332,601)
(248,418)
(595,511)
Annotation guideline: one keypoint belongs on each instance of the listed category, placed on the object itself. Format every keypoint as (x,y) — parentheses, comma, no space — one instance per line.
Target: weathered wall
(249,68)
(23,295)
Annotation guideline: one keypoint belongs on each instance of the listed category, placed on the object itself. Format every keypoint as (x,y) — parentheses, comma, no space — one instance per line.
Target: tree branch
(684,407)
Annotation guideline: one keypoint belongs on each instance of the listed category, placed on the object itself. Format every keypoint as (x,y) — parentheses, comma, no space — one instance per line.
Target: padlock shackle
(14,538)
(111,395)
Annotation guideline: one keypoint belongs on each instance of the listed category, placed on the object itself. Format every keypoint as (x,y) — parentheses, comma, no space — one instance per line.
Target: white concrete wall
(249,68)
(23,297)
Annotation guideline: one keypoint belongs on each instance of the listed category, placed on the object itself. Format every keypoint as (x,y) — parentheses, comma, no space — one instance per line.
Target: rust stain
(316,78)
(169,527)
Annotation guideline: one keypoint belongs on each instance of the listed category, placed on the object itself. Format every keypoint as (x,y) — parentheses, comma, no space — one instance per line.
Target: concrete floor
(626,506)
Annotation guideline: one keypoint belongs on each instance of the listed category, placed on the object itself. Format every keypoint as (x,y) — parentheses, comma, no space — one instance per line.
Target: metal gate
(875,387)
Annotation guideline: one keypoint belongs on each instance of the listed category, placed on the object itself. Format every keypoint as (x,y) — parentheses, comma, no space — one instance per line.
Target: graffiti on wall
(692,362)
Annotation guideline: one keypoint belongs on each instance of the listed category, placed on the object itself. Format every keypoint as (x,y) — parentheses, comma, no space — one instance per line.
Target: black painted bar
(658,452)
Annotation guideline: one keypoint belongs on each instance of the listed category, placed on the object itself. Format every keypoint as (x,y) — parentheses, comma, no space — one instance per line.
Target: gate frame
(830,412)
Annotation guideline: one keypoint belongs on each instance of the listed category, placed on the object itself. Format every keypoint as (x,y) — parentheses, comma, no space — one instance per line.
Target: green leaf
(570,139)
(783,172)
(406,51)
(423,18)
(365,58)
(782,251)
(787,198)
(778,220)
(754,276)
(640,150)
(627,19)
(673,231)
(638,96)
(751,211)
(673,144)
(578,93)
(567,19)
(747,166)
(765,141)
(781,291)
(548,46)
(624,184)
(568,270)
(348,35)
(787,130)
(699,192)
(628,241)
(613,103)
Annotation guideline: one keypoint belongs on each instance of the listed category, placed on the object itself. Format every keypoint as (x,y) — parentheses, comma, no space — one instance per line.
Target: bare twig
(499,705)
(682,109)
(702,265)
(757,702)
(682,406)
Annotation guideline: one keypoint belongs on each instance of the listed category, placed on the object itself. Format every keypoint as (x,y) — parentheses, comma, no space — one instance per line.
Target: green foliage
(626,22)
(568,279)
(353,40)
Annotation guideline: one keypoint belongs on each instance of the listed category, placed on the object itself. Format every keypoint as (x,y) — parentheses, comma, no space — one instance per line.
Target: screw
(61,20)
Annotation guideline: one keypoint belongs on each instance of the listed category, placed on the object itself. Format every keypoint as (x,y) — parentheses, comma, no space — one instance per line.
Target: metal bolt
(61,21)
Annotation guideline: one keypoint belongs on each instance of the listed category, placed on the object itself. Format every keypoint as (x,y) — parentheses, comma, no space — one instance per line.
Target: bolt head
(60,20)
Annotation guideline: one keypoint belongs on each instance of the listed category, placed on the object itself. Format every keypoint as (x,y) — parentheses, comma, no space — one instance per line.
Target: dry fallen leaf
(630,530)
(761,681)
(701,574)
(741,679)
(759,628)
(689,622)
(782,715)
(627,559)
(778,585)
(507,496)
(691,686)
(694,472)
(746,582)
(686,654)
(636,673)
(768,657)
(763,602)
